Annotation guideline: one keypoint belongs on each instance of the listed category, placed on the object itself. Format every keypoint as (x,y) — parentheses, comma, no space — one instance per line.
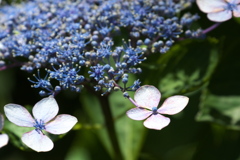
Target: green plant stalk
(109,122)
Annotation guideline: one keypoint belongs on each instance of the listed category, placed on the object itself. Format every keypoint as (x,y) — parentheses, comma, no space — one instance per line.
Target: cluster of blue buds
(89,42)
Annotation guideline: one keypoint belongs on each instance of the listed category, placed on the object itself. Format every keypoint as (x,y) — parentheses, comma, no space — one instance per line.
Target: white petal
(18,115)
(46,109)
(173,105)
(3,140)
(220,16)
(147,97)
(1,122)
(236,13)
(37,141)
(233,1)
(138,113)
(156,121)
(61,124)
(209,6)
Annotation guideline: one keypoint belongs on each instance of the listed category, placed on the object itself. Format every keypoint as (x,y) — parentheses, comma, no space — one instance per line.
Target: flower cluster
(77,42)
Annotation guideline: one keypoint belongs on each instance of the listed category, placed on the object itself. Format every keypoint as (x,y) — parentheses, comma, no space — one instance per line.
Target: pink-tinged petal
(233,1)
(236,12)
(173,105)
(46,109)
(18,115)
(147,97)
(3,140)
(156,121)
(138,113)
(1,122)
(209,6)
(37,141)
(220,16)
(61,124)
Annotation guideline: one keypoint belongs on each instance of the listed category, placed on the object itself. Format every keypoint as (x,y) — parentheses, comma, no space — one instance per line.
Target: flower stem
(132,101)
(109,121)
(211,28)
(128,97)
(10,66)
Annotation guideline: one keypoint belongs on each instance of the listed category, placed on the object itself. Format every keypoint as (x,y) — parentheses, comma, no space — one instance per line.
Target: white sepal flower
(3,140)
(220,10)
(3,137)
(147,98)
(44,113)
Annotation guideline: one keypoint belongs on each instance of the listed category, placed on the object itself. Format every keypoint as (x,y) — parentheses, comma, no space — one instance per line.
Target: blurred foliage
(130,133)
(11,1)
(184,69)
(224,110)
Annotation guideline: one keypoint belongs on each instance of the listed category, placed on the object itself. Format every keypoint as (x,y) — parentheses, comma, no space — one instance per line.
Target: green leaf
(224,110)
(184,68)
(220,103)
(79,149)
(237,19)
(130,133)
(78,153)
(92,107)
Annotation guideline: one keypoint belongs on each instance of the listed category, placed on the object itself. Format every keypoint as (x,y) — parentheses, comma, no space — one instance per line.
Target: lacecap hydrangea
(89,42)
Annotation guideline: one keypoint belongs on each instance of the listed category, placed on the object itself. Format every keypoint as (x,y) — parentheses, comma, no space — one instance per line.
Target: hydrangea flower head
(44,113)
(3,137)
(147,98)
(220,10)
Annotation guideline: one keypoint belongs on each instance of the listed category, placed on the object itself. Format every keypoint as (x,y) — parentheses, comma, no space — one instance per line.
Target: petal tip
(37,141)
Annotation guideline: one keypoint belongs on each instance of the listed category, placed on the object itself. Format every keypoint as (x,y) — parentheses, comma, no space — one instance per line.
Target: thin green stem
(109,121)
